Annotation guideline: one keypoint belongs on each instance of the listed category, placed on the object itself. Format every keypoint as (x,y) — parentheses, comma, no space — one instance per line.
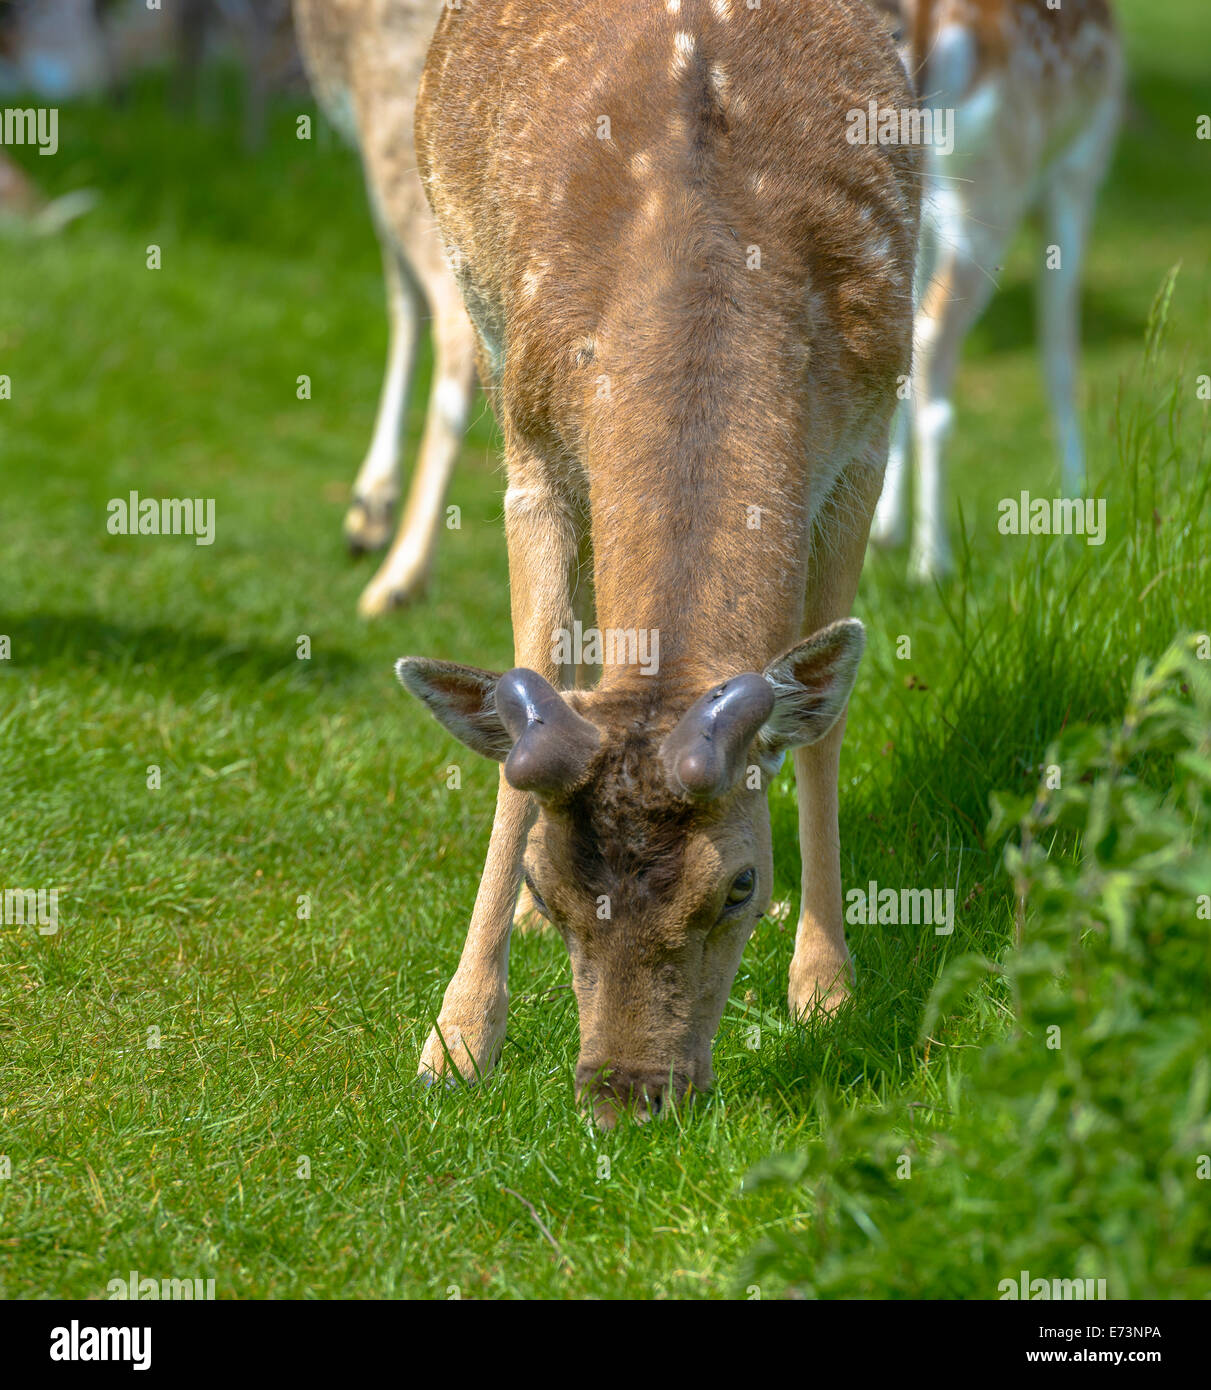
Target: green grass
(284,1038)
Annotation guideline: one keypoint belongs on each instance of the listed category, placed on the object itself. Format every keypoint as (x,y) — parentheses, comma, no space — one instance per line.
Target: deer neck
(698,475)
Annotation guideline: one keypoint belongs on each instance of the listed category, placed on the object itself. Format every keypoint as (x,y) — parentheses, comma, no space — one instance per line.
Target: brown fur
(726,351)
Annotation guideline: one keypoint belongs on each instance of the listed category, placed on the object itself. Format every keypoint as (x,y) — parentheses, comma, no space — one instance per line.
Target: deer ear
(811,685)
(462,699)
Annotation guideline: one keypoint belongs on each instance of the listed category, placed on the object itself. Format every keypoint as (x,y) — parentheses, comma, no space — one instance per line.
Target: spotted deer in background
(1036,93)
(364,59)
(692,298)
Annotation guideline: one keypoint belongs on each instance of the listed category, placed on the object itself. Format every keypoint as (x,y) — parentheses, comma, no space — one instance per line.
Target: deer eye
(743,887)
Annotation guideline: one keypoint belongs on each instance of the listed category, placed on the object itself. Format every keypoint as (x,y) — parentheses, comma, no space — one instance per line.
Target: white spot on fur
(683,46)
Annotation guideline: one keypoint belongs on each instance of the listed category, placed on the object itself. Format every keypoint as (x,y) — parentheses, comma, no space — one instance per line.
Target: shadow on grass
(183,660)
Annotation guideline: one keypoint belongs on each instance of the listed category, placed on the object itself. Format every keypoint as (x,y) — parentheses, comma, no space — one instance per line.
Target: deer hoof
(452,1051)
(819,987)
(369,523)
(383,595)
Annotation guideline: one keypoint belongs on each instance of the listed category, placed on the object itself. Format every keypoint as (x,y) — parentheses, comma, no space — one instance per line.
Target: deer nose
(617,1090)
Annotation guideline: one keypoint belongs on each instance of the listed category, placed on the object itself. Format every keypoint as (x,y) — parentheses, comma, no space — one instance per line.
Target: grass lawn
(197,1078)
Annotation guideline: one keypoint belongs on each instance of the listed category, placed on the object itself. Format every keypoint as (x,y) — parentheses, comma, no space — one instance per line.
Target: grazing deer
(364,58)
(1036,93)
(692,298)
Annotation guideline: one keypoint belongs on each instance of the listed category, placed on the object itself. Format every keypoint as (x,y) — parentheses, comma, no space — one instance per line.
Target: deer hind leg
(542,534)
(953,300)
(889,526)
(406,567)
(369,521)
(820,971)
(1067,209)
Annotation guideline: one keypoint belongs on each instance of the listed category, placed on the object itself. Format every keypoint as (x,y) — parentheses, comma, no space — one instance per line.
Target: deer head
(650,852)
